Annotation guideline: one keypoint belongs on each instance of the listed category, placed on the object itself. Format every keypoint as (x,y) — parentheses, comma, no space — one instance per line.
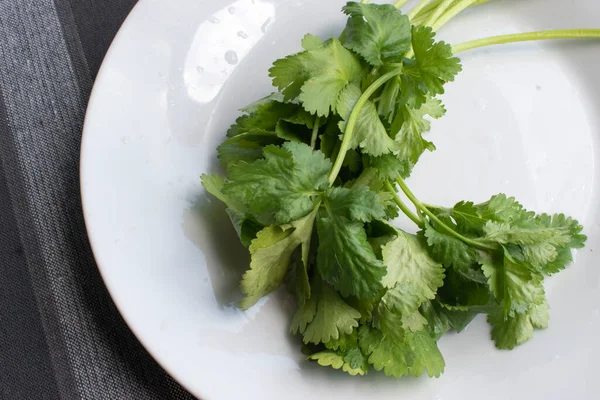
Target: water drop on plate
(199,69)
(242,34)
(125,139)
(214,20)
(231,57)
(265,26)
(231,10)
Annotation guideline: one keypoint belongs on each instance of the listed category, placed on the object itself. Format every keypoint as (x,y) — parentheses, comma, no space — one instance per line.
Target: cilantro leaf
(516,330)
(369,133)
(401,353)
(344,353)
(378,32)
(246,147)
(356,204)
(431,68)
(297,279)
(412,278)
(389,167)
(526,234)
(245,227)
(449,250)
(325,316)
(409,126)
(280,188)
(345,258)
(318,75)
(388,101)
(409,265)
(271,252)
(352,363)
(214,185)
(514,284)
(263,116)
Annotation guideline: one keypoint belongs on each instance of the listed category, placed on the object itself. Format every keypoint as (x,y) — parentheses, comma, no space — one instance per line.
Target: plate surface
(521,119)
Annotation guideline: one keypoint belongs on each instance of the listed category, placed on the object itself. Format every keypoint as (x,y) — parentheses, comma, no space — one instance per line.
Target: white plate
(521,119)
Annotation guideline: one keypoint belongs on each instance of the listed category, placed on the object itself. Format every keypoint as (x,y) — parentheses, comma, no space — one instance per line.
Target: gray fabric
(61,335)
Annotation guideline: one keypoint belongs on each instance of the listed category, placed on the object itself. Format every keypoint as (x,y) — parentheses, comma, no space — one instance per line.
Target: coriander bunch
(311,188)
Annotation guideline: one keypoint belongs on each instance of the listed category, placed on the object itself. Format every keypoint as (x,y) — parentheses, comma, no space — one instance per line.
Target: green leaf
(296,278)
(438,322)
(529,234)
(449,250)
(364,306)
(462,292)
(344,353)
(325,316)
(356,204)
(318,75)
(263,116)
(271,253)
(345,258)
(409,126)
(514,283)
(389,167)
(353,362)
(516,330)
(501,208)
(388,100)
(412,278)
(410,266)
(432,67)
(214,185)
(369,133)
(378,32)
(402,353)
(563,258)
(280,188)
(245,227)
(246,147)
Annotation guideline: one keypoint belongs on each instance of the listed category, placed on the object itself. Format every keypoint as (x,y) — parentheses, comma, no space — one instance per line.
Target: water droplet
(224,72)
(242,34)
(231,57)
(214,20)
(205,280)
(200,69)
(538,87)
(125,139)
(265,26)
(231,10)
(365,19)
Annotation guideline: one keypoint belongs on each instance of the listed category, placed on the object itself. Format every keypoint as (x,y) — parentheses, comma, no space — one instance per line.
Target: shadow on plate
(207,225)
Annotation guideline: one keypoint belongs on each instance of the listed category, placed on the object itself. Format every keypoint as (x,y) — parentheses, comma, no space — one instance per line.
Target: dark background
(61,336)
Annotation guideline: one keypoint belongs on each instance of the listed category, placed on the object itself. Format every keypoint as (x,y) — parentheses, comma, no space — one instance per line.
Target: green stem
(524,37)
(438,12)
(417,9)
(438,222)
(434,4)
(403,206)
(453,12)
(351,124)
(315,132)
(400,3)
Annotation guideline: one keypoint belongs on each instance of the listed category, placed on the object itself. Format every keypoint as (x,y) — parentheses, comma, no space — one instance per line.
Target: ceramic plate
(522,119)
